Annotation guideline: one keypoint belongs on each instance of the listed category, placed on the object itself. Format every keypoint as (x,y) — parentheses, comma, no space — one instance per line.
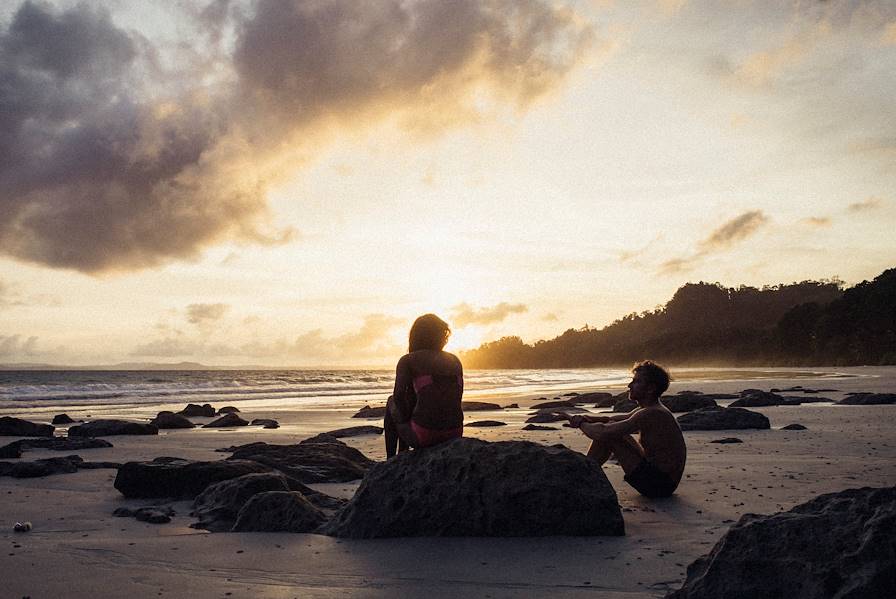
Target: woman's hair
(428,332)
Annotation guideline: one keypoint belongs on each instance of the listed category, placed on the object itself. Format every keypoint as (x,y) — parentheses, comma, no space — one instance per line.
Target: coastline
(78,548)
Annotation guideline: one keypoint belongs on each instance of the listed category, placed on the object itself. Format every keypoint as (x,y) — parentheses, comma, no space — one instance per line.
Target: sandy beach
(78,548)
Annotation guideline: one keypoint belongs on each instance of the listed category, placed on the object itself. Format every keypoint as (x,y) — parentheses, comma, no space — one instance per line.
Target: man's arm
(631,423)
(577,420)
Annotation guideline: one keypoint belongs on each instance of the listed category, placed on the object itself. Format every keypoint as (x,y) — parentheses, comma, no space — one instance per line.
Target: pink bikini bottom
(430,436)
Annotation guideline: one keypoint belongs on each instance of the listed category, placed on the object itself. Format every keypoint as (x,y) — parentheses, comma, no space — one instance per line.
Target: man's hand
(576,421)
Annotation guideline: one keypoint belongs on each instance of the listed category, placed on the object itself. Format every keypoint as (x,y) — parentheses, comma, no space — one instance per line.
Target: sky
(291,183)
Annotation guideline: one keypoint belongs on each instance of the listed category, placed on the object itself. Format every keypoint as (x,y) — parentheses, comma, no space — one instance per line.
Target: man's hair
(428,332)
(655,375)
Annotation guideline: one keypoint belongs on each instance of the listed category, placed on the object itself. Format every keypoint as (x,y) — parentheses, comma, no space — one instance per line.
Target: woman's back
(437,382)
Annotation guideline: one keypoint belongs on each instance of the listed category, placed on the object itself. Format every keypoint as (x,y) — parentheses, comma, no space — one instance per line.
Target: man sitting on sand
(655,465)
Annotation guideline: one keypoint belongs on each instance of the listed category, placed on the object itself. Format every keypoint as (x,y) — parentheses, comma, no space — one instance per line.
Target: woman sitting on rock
(425,407)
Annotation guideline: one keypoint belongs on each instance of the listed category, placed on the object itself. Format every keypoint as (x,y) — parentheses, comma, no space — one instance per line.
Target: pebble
(22,526)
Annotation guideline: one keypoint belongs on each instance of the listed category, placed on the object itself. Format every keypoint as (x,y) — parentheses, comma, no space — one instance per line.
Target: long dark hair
(428,332)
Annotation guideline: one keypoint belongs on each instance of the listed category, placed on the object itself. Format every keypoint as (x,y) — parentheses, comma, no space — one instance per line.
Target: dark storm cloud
(465,314)
(112,159)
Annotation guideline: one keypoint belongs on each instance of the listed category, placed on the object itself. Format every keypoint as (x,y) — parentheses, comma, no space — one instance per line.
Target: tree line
(806,323)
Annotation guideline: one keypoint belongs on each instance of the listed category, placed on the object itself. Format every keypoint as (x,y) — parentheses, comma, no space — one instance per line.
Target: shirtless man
(655,465)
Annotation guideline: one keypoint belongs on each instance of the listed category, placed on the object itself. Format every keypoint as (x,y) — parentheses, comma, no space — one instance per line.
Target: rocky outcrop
(177,478)
(597,397)
(108,428)
(868,399)
(218,506)
(368,412)
(194,410)
(12,450)
(265,423)
(793,427)
(153,514)
(837,546)
(727,440)
(556,404)
(320,459)
(538,427)
(485,423)
(354,431)
(166,419)
(755,398)
(718,418)
(279,511)
(624,405)
(228,410)
(16,427)
(62,419)
(469,487)
(687,402)
(479,406)
(226,421)
(60,443)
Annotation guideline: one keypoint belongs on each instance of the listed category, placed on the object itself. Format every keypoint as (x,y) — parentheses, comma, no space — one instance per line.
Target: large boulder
(226,421)
(368,412)
(756,398)
(687,402)
(108,428)
(16,427)
(469,487)
(177,478)
(840,545)
(62,419)
(166,419)
(279,511)
(194,410)
(543,417)
(320,459)
(719,418)
(61,443)
(218,506)
(868,399)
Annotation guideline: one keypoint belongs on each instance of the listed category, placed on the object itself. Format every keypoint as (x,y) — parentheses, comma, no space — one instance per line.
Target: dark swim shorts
(650,481)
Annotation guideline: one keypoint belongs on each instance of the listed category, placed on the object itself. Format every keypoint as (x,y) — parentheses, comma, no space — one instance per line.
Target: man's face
(638,389)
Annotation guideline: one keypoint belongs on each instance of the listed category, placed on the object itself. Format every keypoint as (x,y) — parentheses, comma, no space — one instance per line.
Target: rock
(98,465)
(795,400)
(218,506)
(555,404)
(868,399)
(226,421)
(16,427)
(727,440)
(754,398)
(265,423)
(562,410)
(625,405)
(368,412)
(513,406)
(62,443)
(154,515)
(195,410)
(469,487)
(479,406)
(354,431)
(320,459)
(177,478)
(536,427)
(839,545)
(62,419)
(39,468)
(12,450)
(686,403)
(276,511)
(542,417)
(793,427)
(598,397)
(108,428)
(485,423)
(228,410)
(719,418)
(166,419)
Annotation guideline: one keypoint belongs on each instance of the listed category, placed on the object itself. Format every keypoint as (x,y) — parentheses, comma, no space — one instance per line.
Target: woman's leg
(390,433)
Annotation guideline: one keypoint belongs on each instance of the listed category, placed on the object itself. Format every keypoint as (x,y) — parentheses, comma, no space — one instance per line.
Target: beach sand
(77,548)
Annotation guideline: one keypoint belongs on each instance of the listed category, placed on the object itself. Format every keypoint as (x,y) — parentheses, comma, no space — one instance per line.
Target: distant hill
(812,322)
(118,366)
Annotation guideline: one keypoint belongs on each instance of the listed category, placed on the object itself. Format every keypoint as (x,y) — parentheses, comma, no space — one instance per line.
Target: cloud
(719,240)
(117,155)
(871,203)
(759,68)
(888,36)
(817,221)
(15,346)
(205,313)
(734,230)
(464,314)
(550,317)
